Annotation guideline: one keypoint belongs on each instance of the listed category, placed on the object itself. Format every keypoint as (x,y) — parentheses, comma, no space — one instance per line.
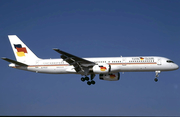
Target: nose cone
(175,66)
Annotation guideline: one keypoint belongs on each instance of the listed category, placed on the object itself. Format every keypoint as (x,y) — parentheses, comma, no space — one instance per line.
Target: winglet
(15,62)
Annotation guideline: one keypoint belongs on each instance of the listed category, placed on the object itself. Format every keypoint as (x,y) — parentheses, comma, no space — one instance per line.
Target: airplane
(108,68)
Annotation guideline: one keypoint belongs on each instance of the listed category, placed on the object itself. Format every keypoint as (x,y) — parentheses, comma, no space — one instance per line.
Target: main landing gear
(156,77)
(87,79)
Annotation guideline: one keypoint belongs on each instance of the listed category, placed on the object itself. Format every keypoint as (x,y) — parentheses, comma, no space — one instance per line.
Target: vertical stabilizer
(21,51)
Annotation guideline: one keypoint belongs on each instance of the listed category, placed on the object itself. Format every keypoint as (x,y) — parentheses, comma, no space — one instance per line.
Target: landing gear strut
(156,77)
(87,79)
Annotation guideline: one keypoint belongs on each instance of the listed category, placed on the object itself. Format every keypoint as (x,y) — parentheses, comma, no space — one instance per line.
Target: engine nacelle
(101,69)
(110,77)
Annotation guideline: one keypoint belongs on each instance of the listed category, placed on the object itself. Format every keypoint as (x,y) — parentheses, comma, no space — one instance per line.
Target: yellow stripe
(20,54)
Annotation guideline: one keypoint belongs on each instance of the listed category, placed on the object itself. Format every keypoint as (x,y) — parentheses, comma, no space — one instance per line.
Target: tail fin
(21,51)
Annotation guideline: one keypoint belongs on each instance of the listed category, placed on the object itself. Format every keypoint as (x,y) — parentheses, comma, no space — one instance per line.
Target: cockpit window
(169,61)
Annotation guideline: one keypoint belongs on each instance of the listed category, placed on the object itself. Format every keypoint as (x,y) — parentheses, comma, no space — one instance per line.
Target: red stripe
(23,49)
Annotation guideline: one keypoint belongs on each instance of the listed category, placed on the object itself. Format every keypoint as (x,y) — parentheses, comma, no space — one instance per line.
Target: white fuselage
(108,68)
(118,64)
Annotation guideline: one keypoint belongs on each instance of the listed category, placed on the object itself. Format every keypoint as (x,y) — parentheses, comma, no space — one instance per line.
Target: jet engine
(110,77)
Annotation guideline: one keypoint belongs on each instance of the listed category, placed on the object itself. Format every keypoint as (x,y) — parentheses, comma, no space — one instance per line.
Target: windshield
(169,61)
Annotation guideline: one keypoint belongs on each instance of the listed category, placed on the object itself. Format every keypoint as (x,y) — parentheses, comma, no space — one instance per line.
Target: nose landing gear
(156,77)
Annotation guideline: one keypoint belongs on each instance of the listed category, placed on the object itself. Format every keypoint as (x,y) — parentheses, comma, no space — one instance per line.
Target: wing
(79,63)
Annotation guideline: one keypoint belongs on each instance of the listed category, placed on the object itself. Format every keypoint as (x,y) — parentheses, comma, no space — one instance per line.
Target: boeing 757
(107,68)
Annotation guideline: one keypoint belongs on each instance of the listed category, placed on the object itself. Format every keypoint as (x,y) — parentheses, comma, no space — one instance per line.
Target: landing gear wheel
(89,83)
(155,79)
(87,78)
(82,79)
(93,82)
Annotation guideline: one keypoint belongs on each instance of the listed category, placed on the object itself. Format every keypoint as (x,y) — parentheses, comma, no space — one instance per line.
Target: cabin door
(159,62)
(124,62)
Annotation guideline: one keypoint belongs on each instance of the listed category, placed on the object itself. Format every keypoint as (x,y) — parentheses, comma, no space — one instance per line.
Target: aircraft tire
(93,82)
(82,79)
(155,79)
(89,83)
(87,78)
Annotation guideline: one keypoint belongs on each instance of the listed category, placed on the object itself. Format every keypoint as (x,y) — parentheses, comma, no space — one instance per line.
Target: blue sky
(91,28)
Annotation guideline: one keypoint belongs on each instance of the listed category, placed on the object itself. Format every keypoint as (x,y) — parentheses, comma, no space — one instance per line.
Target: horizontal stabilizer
(15,62)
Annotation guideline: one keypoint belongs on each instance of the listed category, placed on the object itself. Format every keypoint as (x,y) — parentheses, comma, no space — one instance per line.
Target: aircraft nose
(176,66)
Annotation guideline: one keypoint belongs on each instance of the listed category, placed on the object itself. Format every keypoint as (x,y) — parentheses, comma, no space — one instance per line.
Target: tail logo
(20,50)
